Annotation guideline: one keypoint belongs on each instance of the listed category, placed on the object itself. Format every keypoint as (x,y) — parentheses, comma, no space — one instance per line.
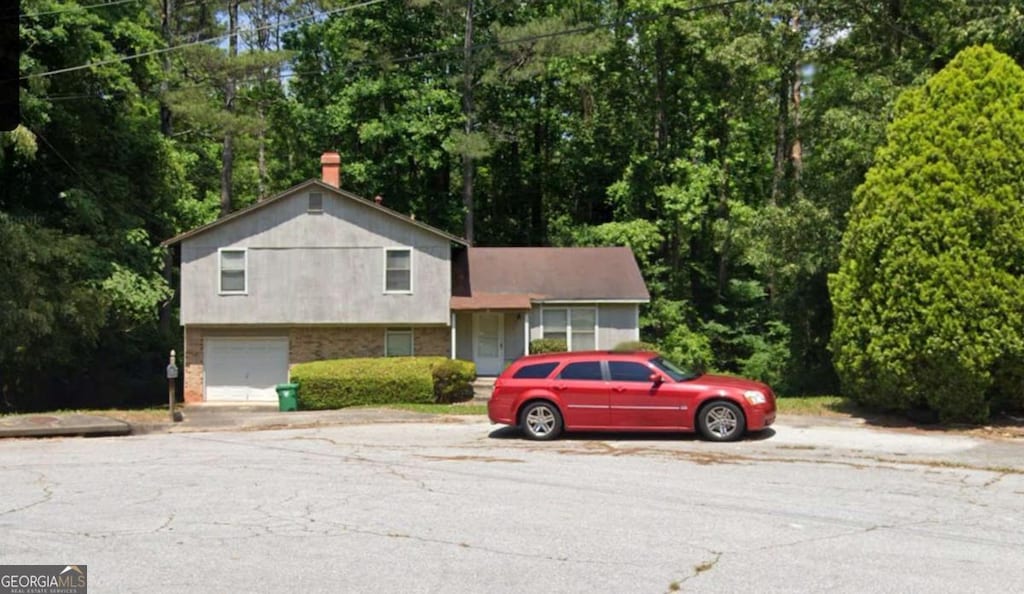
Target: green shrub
(635,345)
(341,383)
(929,296)
(548,345)
(689,348)
(453,381)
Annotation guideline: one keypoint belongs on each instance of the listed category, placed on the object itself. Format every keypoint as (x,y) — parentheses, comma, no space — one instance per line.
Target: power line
(525,39)
(413,57)
(199,42)
(76,8)
(540,36)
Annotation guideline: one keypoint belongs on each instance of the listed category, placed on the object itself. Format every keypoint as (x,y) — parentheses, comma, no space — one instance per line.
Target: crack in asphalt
(994,480)
(700,568)
(465,545)
(47,487)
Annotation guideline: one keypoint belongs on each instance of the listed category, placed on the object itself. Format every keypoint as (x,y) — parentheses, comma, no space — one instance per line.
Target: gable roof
(304,185)
(512,278)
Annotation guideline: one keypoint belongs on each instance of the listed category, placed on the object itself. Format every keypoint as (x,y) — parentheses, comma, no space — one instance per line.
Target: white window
(398,270)
(556,324)
(577,326)
(583,327)
(398,342)
(233,271)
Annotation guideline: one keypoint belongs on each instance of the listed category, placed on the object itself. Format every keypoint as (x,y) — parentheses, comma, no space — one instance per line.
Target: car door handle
(560,387)
(618,389)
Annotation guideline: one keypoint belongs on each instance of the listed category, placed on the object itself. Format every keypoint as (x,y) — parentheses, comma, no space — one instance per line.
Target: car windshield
(676,372)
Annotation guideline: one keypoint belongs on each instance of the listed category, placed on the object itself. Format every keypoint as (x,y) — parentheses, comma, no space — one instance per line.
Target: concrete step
(482,388)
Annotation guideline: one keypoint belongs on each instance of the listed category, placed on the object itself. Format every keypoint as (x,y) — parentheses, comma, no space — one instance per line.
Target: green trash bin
(286,397)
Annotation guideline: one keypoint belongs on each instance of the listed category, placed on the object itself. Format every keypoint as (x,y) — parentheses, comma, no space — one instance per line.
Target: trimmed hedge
(635,345)
(340,383)
(548,345)
(453,381)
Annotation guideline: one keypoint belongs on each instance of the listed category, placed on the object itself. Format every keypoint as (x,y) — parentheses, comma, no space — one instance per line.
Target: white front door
(244,369)
(489,343)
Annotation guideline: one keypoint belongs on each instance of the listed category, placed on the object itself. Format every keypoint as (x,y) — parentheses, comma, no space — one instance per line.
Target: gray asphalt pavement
(469,507)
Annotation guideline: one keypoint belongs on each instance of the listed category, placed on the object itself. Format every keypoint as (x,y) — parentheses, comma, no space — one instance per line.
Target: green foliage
(929,296)
(676,132)
(540,346)
(769,355)
(688,348)
(453,380)
(340,383)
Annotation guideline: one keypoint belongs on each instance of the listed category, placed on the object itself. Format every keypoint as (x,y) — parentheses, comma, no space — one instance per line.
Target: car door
(581,387)
(636,402)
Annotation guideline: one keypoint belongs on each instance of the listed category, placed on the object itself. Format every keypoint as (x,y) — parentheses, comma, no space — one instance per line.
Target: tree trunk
(167,129)
(261,156)
(796,156)
(896,15)
(467,112)
(165,308)
(781,124)
(536,192)
(228,154)
(723,205)
(660,119)
(166,16)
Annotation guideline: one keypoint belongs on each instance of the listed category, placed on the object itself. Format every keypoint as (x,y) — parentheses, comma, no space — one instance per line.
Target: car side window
(535,371)
(628,371)
(582,370)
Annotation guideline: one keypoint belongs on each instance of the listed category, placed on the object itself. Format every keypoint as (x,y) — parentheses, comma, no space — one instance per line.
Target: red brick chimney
(331,162)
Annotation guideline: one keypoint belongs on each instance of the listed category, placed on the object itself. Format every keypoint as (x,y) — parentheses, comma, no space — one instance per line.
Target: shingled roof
(515,277)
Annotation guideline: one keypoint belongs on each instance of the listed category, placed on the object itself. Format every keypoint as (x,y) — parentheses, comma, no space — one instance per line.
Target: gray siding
(464,336)
(514,340)
(616,322)
(306,268)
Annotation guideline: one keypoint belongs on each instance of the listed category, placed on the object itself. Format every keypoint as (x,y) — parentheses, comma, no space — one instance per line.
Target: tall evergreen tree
(929,297)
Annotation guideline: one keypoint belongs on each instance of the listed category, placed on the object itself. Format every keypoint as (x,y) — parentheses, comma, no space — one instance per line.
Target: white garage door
(244,370)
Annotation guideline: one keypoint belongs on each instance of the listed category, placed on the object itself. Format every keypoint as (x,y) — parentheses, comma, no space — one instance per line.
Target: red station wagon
(616,391)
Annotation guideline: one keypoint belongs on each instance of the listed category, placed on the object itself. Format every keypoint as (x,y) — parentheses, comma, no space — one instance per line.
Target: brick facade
(434,341)
(193,363)
(310,343)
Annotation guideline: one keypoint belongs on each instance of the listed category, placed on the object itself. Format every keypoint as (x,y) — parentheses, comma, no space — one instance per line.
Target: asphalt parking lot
(456,505)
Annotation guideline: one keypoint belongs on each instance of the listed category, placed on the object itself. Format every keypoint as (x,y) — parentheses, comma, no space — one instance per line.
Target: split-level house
(316,272)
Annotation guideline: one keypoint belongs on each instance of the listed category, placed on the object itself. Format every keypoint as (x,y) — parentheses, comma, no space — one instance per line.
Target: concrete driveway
(468,507)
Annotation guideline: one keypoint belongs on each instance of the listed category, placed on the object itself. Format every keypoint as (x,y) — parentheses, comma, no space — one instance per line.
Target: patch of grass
(155,414)
(815,405)
(443,409)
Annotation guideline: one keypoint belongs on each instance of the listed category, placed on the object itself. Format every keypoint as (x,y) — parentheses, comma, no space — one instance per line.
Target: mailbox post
(172,376)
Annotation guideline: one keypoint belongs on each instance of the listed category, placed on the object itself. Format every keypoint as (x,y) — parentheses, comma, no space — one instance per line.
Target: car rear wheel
(542,421)
(721,421)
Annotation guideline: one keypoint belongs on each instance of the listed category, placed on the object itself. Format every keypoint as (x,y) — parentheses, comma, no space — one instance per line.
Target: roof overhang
(597,301)
(523,301)
(492,301)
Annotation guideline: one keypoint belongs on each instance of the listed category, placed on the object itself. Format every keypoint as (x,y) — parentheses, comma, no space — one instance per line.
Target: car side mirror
(656,379)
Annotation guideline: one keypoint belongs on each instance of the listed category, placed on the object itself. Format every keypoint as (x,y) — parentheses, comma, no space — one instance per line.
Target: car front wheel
(542,421)
(721,421)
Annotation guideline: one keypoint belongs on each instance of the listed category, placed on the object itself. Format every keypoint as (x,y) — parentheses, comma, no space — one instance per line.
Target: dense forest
(723,141)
